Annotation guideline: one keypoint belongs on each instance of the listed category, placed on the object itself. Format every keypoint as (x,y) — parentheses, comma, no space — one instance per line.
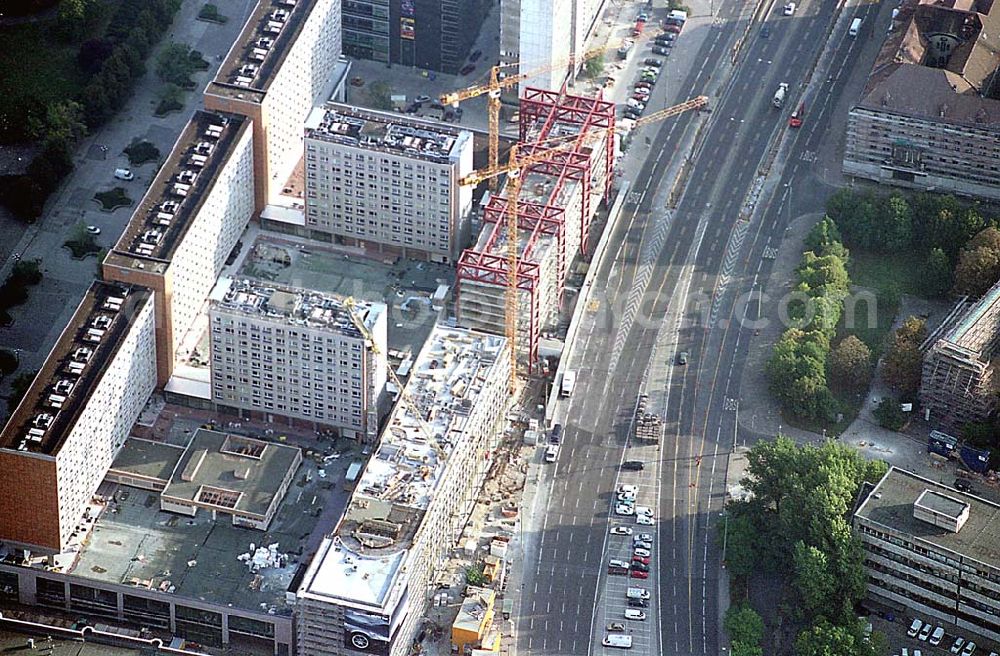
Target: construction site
(560,192)
(957,382)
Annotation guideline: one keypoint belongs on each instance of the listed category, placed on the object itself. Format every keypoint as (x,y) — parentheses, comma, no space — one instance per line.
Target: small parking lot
(900,641)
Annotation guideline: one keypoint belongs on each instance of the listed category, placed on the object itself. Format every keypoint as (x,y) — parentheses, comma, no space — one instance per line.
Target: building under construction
(558,199)
(958,384)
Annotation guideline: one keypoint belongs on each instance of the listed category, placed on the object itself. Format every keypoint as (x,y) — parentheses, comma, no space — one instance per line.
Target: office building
(186,225)
(559,198)
(368,587)
(546,34)
(387,183)
(296,354)
(435,35)
(68,428)
(956,384)
(930,112)
(286,55)
(931,550)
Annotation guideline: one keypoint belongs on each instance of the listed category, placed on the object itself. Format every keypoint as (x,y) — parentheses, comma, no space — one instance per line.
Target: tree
(27,272)
(380,95)
(8,362)
(92,54)
(978,266)
(826,639)
(850,365)
(742,546)
(594,66)
(63,122)
(744,624)
(889,414)
(814,578)
(893,224)
(937,273)
(175,66)
(824,239)
(904,361)
(743,649)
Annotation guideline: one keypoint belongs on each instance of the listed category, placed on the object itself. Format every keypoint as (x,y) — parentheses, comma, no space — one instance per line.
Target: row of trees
(797,369)
(960,248)
(794,524)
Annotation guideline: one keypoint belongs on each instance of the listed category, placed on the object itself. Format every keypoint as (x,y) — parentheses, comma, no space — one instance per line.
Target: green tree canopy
(744,624)
(850,365)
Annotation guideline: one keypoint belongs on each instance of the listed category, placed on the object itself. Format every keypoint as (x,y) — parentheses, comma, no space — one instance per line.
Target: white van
(619,640)
(124,174)
(568,383)
(634,614)
(637,593)
(551,453)
(855,27)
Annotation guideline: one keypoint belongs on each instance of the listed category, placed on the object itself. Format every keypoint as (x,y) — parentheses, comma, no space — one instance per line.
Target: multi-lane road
(674,281)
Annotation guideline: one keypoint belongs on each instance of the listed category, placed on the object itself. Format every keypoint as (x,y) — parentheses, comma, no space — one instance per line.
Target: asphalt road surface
(674,284)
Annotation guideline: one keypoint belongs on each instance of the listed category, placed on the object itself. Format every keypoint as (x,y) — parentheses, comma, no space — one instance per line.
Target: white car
(630,498)
(957,645)
(628,489)
(621,530)
(925,632)
(622,509)
(644,510)
(937,636)
(642,537)
(94,230)
(639,551)
(789,9)
(915,627)
(635,104)
(969,648)
(124,174)
(634,614)
(644,520)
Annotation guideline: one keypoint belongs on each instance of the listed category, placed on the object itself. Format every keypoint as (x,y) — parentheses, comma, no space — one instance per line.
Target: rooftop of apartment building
(398,484)
(940,62)
(901,496)
(387,132)
(405,287)
(73,369)
(165,213)
(134,543)
(977,329)
(260,49)
(292,306)
(230,472)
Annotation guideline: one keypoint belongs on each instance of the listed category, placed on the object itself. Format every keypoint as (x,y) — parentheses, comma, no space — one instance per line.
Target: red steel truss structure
(540,112)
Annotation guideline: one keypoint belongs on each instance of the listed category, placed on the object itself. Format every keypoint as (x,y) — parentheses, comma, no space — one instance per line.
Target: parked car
(644,510)
(476,54)
(644,520)
(962,486)
(682,357)
(956,646)
(642,537)
(555,437)
(124,174)
(925,632)
(644,84)
(633,465)
(641,97)
(632,614)
(640,559)
(468,68)
(789,9)
(94,230)
(672,29)
(621,530)
(641,545)
(765,32)
(638,574)
(641,552)
(631,114)
(637,603)
(624,509)
(642,17)
(656,63)
(616,627)
(626,496)
(642,567)
(937,636)
(661,50)
(970,647)
(915,627)
(626,489)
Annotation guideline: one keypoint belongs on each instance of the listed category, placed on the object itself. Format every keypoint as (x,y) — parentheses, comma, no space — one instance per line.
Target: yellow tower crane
(513,169)
(497,83)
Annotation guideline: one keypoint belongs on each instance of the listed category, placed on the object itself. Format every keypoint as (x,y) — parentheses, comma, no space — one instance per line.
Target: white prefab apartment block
(190,219)
(536,33)
(380,180)
(68,428)
(297,354)
(283,59)
(932,550)
(367,589)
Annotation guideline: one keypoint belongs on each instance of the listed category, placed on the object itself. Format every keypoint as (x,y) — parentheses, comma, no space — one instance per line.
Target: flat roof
(231,472)
(175,197)
(386,132)
(147,459)
(392,496)
(891,504)
(204,559)
(73,369)
(475,605)
(260,49)
(290,305)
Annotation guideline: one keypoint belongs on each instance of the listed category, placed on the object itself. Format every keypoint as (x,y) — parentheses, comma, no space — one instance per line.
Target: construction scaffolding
(957,382)
(559,197)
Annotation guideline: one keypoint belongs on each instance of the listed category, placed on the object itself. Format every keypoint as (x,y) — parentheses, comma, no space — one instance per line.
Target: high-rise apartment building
(431,34)
(186,225)
(386,182)
(539,33)
(932,550)
(283,59)
(297,354)
(68,428)
(367,589)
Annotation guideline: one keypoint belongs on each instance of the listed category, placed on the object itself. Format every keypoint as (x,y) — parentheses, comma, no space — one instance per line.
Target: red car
(676,29)
(640,559)
(641,97)
(636,574)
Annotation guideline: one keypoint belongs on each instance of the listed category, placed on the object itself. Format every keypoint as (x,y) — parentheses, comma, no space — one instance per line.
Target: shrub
(140,152)
(211,13)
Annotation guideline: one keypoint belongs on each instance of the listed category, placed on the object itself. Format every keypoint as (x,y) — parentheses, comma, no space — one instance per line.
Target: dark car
(631,115)
(765,32)
(633,465)
(555,437)
(468,68)
(666,38)
(639,567)
(962,486)
(476,54)
(638,603)
(653,62)
(661,50)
